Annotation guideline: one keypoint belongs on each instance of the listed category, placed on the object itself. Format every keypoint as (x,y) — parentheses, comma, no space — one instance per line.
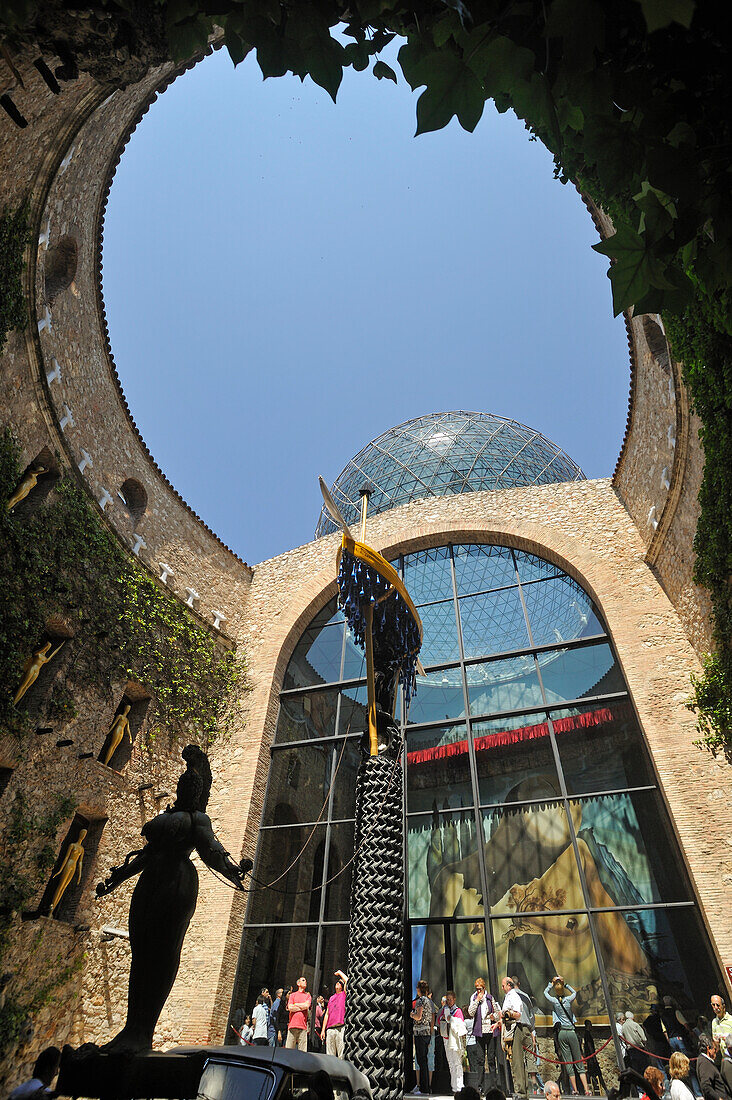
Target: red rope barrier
(661,1057)
(583,1058)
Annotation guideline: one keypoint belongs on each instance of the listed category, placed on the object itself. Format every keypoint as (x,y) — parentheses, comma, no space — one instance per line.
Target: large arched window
(537,839)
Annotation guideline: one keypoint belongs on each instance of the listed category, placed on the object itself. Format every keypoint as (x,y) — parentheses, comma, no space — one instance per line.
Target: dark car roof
(294,1061)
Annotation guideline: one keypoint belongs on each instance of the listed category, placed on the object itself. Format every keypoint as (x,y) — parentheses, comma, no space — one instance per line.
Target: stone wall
(660,467)
(59,392)
(59,389)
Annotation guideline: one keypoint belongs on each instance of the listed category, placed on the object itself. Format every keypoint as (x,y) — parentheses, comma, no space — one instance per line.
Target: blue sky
(286,278)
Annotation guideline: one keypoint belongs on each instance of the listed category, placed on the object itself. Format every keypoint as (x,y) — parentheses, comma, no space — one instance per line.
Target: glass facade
(442,454)
(537,839)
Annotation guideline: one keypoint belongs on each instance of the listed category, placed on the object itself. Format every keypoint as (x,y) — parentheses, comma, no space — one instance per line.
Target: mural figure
(533,873)
(72,864)
(25,487)
(165,896)
(33,668)
(120,728)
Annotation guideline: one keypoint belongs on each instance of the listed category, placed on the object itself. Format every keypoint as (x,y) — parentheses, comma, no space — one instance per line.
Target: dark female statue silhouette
(164,899)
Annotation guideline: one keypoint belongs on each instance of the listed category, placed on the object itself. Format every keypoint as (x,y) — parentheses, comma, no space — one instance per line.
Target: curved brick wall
(629,542)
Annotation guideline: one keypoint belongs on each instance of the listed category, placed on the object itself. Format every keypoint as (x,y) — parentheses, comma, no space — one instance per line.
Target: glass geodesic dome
(443,454)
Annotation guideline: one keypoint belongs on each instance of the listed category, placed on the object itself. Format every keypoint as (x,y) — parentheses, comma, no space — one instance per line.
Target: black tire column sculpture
(385,623)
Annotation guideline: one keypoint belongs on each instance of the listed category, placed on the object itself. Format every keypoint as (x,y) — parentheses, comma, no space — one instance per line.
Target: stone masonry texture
(627,541)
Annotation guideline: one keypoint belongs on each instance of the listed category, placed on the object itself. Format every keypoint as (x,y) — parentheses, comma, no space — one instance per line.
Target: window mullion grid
(490,954)
(575,846)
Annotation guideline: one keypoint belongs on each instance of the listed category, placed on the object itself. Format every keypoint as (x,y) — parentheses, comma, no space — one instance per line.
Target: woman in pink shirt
(335,1018)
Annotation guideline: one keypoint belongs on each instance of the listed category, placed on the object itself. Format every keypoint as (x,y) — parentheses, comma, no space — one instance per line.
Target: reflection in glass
(529,857)
(317,657)
(289,873)
(496,686)
(572,673)
(428,575)
(469,958)
(354,713)
(440,633)
(305,716)
(629,840)
(298,779)
(601,747)
(439,696)
(354,661)
(509,752)
(348,758)
(531,568)
(478,568)
(337,892)
(535,946)
(428,958)
(443,870)
(438,768)
(493,623)
(675,957)
(560,611)
(334,956)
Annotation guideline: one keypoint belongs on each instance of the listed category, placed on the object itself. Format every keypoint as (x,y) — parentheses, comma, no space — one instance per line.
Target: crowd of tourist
(285,1019)
(664,1054)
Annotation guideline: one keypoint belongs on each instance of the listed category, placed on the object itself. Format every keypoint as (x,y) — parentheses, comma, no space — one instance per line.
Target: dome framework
(444,454)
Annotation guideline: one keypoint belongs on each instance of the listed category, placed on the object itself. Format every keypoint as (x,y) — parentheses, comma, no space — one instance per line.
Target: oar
(333,510)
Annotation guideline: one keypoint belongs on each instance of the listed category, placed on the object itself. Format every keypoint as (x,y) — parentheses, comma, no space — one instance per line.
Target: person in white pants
(454,1035)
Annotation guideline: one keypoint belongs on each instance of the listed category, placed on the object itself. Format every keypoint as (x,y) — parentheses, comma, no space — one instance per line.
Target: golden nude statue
(72,864)
(32,669)
(120,728)
(26,485)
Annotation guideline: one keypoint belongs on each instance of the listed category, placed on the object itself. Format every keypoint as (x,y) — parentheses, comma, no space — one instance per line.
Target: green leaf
(661,13)
(382,71)
(499,62)
(453,89)
(188,38)
(323,57)
(445,28)
(237,47)
(460,9)
(272,55)
(410,56)
(658,211)
(636,270)
(569,116)
(357,55)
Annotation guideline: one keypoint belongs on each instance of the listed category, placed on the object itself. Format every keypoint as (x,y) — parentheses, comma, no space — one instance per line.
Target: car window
(220,1081)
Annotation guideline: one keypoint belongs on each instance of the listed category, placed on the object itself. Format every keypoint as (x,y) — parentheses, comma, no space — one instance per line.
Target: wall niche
(86,830)
(133,707)
(46,663)
(34,484)
(61,263)
(133,495)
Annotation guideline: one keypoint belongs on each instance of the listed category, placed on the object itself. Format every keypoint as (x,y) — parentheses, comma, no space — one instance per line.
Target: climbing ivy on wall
(61,560)
(631,98)
(28,855)
(13,239)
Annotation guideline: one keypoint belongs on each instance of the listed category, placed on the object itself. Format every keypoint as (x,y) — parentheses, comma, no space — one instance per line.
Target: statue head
(81,836)
(126,709)
(194,786)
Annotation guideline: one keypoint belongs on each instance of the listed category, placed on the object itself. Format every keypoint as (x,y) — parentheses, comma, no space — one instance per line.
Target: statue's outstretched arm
(133,864)
(215,856)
